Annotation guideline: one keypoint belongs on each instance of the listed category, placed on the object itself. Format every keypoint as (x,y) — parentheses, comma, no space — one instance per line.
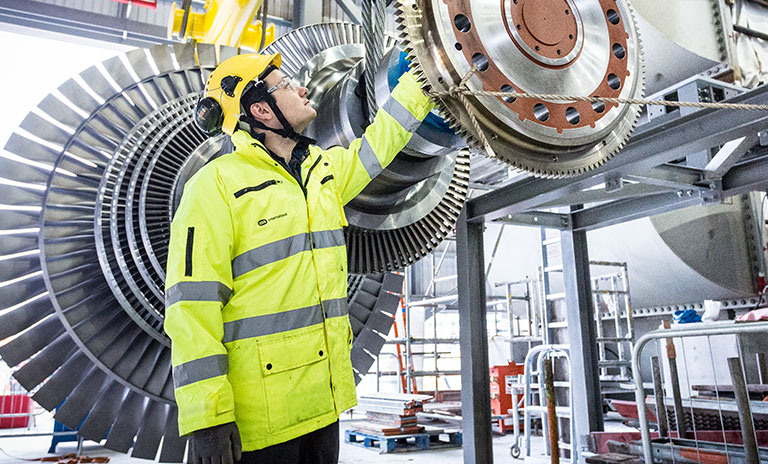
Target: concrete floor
(13,450)
(16,449)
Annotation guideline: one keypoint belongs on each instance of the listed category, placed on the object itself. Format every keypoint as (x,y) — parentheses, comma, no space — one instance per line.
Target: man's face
(292,101)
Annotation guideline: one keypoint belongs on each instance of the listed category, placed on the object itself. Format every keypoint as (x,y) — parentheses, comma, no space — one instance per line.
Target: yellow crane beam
(225,22)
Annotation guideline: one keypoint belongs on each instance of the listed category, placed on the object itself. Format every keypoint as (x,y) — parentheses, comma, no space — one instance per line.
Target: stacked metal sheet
(391,413)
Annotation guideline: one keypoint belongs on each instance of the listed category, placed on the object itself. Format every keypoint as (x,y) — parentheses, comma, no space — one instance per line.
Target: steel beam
(599,195)
(635,208)
(585,380)
(536,218)
(351,10)
(651,146)
(473,341)
(746,177)
(671,177)
(81,23)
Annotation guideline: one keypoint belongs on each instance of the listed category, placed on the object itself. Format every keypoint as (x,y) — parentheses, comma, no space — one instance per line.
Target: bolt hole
(462,23)
(570,36)
(613,81)
(613,17)
(599,107)
(479,60)
(541,112)
(458,46)
(538,48)
(559,52)
(519,27)
(440,80)
(269,366)
(619,51)
(415,6)
(567,12)
(572,115)
(321,352)
(508,88)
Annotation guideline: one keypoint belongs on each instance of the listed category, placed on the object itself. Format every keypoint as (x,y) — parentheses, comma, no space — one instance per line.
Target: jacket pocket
(296,377)
(256,188)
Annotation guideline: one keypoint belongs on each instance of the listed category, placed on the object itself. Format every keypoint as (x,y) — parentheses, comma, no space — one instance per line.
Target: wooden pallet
(429,440)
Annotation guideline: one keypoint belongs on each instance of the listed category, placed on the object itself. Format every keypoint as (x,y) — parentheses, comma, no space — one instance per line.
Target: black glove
(219,444)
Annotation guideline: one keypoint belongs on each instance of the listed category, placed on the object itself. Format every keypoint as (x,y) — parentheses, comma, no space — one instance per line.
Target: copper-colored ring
(561,26)
(494,80)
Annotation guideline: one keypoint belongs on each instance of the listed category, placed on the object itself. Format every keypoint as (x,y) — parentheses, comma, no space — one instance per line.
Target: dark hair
(256,90)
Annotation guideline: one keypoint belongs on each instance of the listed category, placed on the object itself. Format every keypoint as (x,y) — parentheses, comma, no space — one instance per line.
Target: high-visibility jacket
(256,283)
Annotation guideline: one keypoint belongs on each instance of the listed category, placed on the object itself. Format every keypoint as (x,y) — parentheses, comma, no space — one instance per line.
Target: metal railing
(712,398)
(534,401)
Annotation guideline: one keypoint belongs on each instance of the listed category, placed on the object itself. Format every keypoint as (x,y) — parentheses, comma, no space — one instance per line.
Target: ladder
(612,303)
(527,330)
(613,307)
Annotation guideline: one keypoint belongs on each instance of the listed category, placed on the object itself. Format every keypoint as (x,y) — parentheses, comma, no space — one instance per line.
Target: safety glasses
(285,83)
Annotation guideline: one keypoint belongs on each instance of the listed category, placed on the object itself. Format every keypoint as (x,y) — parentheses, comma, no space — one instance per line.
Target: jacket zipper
(312,248)
(190,248)
(309,173)
(261,186)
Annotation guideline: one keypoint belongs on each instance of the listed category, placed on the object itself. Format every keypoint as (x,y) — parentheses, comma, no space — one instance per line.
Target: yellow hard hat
(219,108)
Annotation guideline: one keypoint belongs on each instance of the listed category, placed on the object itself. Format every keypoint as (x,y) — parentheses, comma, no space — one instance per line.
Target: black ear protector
(209,116)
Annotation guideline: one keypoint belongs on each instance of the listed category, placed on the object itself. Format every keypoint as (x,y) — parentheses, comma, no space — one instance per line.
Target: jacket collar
(245,143)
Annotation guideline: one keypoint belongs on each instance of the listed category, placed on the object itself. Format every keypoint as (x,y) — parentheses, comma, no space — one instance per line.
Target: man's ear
(261,111)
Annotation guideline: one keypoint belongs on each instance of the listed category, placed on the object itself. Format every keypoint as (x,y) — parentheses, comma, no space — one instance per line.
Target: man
(257,269)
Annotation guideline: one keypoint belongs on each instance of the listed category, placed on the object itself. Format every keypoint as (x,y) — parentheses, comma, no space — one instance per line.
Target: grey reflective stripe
(335,308)
(370,162)
(269,253)
(328,238)
(197,291)
(272,323)
(200,369)
(401,114)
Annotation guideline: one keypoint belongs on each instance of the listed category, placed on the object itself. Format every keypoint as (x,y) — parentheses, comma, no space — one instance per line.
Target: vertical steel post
(306,12)
(741,395)
(585,376)
(407,322)
(473,341)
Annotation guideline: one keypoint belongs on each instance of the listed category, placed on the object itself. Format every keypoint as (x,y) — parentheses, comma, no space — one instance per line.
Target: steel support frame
(644,158)
(473,333)
(651,146)
(582,338)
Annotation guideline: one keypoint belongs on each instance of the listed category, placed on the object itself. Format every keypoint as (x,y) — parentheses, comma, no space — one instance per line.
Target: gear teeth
(417,42)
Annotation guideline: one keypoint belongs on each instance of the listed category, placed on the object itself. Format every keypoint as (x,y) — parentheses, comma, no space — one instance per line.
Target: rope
(461,91)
